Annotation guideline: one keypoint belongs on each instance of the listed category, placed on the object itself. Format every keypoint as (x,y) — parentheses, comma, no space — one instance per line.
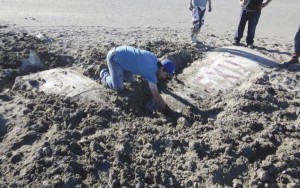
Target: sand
(245,135)
(279,19)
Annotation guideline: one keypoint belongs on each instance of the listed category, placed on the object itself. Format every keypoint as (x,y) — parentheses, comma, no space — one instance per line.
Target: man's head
(166,69)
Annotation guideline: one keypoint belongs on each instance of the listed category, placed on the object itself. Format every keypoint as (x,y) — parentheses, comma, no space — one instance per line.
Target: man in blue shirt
(251,11)
(125,61)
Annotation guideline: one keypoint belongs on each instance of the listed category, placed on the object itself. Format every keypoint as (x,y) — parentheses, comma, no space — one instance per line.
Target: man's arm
(265,4)
(157,97)
(163,107)
(209,5)
(241,2)
(191,5)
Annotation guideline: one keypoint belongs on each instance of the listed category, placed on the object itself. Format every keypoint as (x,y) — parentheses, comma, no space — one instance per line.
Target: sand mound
(245,135)
(62,82)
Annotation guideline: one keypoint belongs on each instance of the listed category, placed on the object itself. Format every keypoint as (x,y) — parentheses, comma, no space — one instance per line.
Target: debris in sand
(33,63)
(44,38)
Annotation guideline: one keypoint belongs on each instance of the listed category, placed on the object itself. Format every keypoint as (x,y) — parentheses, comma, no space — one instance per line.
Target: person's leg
(241,27)
(196,24)
(296,55)
(201,18)
(113,78)
(252,23)
(297,43)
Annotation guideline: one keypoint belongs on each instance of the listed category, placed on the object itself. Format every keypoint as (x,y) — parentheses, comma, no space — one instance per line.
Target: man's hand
(209,6)
(156,96)
(241,2)
(164,108)
(167,111)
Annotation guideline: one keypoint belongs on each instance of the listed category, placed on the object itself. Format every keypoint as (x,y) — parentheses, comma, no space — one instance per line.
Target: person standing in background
(251,11)
(198,8)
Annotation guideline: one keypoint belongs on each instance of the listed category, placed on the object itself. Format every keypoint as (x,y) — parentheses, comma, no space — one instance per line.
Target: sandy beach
(280,19)
(60,127)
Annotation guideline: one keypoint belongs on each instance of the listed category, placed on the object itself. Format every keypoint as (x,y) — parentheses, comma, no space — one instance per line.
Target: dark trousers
(297,42)
(252,19)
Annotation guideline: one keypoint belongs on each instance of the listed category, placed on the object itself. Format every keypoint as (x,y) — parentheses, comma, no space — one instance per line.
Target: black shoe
(250,46)
(236,43)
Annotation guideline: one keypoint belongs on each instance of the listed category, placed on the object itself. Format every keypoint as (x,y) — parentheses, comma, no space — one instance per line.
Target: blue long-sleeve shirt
(137,61)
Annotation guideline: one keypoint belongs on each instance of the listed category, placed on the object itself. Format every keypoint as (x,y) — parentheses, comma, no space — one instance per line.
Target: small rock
(139,185)
(94,146)
(237,183)
(47,151)
(292,185)
(263,175)
(183,122)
